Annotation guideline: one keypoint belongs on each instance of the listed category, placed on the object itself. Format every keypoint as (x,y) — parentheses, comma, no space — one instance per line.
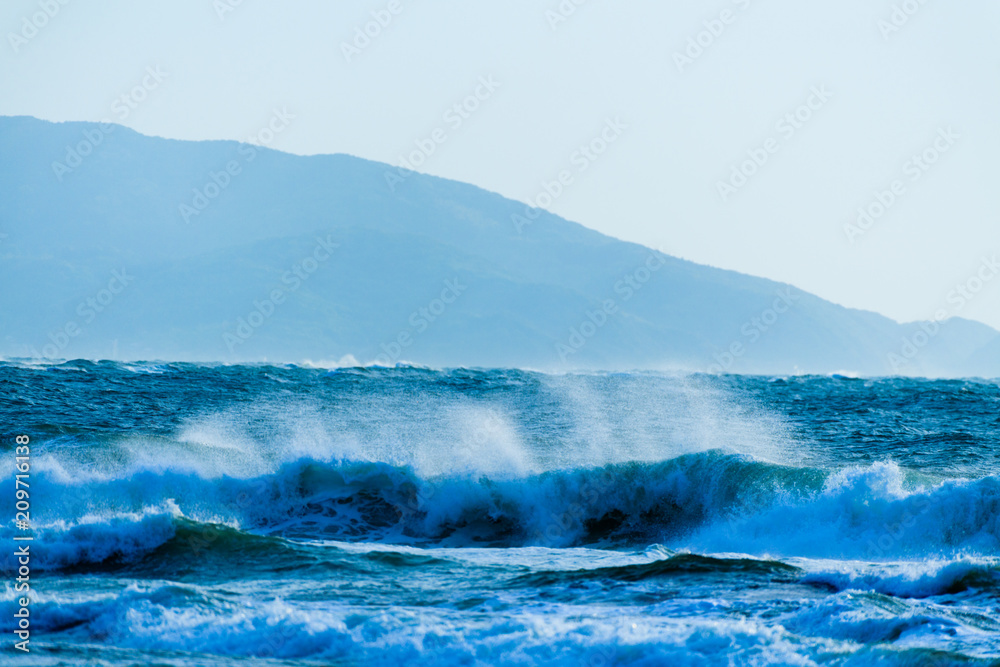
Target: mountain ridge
(528,299)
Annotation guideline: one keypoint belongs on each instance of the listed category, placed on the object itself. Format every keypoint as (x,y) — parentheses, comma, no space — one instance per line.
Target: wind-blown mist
(349,514)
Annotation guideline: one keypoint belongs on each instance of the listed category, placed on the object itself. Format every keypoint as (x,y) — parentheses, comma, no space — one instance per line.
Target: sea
(210,514)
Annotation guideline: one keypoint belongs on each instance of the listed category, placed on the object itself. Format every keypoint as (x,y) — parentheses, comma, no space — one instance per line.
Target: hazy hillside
(335,262)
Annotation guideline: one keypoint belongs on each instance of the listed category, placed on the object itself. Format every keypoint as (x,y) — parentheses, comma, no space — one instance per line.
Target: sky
(849,148)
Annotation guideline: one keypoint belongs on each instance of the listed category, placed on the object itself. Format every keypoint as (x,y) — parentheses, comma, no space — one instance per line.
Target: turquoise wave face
(192,514)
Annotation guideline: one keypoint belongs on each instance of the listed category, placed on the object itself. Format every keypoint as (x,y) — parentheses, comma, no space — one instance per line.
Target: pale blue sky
(657,183)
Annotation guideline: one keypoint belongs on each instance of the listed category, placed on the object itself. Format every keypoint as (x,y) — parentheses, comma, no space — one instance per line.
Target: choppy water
(190,514)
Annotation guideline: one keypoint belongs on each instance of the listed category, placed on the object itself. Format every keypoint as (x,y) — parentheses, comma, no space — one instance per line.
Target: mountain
(119,245)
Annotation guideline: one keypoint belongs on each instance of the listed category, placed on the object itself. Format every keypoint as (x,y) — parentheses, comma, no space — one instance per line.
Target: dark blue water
(206,515)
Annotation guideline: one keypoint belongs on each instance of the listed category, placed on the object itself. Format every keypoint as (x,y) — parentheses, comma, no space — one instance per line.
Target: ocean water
(232,515)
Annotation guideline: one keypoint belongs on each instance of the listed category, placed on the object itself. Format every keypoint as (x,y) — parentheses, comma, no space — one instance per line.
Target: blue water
(207,515)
